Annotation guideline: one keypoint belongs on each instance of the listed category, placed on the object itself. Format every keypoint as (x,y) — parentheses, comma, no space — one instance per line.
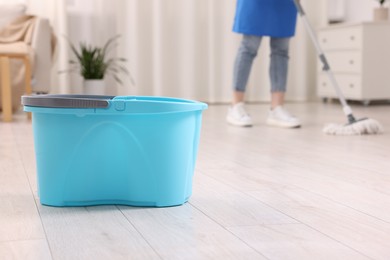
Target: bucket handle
(67,101)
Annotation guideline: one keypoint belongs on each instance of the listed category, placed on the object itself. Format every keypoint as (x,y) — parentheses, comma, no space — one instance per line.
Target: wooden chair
(5,76)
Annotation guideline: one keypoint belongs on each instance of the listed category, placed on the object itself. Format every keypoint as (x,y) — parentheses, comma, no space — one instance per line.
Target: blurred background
(181,48)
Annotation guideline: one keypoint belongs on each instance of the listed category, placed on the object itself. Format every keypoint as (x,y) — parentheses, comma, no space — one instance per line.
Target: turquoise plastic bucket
(93,150)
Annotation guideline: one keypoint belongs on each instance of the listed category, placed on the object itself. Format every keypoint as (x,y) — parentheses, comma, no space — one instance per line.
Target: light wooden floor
(258,193)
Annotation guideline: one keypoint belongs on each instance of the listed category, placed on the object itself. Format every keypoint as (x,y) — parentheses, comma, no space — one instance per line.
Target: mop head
(363,126)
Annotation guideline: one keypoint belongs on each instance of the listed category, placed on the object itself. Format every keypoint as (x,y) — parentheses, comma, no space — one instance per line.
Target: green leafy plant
(92,62)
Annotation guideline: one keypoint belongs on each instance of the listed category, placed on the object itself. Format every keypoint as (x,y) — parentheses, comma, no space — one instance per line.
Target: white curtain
(92,22)
(186,48)
(73,20)
(180,48)
(55,11)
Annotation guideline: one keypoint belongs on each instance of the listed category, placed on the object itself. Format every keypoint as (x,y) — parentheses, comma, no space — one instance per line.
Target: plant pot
(381,14)
(94,87)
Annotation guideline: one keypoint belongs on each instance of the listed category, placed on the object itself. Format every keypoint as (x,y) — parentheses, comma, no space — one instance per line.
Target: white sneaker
(281,118)
(238,116)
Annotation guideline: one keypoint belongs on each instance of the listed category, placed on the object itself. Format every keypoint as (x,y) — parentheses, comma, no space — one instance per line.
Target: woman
(256,19)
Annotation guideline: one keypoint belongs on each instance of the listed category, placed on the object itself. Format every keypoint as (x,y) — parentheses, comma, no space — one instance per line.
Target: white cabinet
(359,56)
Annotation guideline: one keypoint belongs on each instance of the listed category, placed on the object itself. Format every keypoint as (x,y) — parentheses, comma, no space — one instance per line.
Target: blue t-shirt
(275,18)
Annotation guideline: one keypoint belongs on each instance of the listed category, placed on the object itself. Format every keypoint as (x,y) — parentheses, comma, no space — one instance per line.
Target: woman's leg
(247,52)
(243,65)
(279,70)
(278,116)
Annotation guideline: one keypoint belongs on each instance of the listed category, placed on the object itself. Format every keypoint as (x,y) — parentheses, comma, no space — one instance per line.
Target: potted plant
(381,13)
(93,64)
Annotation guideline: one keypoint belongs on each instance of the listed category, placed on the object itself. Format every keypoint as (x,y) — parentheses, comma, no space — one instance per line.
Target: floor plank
(93,233)
(186,233)
(232,208)
(258,193)
(294,241)
(363,233)
(25,249)
(19,216)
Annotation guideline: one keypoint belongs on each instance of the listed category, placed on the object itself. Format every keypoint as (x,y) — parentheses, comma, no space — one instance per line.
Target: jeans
(278,68)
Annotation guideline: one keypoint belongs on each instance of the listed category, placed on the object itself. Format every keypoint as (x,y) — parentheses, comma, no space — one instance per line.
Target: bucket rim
(95,101)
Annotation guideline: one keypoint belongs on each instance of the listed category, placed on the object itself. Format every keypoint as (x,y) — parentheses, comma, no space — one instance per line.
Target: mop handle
(347,110)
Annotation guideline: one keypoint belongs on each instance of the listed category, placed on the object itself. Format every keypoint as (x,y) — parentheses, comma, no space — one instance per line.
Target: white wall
(12,2)
(92,22)
(201,62)
(360,10)
(352,10)
(179,47)
(55,12)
